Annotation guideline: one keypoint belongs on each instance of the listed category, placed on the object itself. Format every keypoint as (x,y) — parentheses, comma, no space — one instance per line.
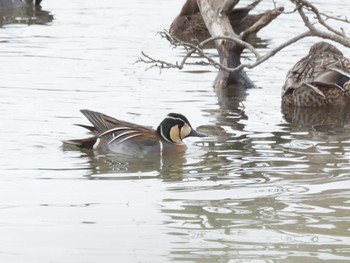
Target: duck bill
(194,133)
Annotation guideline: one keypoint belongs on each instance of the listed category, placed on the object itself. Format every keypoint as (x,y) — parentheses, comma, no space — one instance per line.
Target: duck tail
(86,143)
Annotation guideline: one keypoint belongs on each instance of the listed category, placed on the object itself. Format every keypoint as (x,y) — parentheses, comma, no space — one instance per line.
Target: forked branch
(309,13)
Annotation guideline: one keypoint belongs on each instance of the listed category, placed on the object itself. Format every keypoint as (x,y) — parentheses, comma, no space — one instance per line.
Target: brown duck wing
(317,66)
(114,130)
(300,72)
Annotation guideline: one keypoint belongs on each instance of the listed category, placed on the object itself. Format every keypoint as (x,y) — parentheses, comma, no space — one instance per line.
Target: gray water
(265,186)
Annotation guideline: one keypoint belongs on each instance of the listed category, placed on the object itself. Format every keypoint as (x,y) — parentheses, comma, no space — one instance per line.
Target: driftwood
(215,14)
(230,45)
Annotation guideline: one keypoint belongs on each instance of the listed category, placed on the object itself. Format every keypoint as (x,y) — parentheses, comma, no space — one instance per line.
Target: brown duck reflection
(235,150)
(317,117)
(23,12)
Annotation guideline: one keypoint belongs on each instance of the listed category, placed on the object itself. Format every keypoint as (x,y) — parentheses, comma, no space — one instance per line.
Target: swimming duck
(116,136)
(190,24)
(322,78)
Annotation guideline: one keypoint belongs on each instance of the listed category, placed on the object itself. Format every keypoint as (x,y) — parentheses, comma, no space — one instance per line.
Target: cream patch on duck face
(175,134)
(185,131)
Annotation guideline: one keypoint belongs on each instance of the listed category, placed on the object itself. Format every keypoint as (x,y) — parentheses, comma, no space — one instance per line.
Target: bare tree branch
(345,20)
(342,39)
(266,19)
(222,34)
(312,8)
(210,61)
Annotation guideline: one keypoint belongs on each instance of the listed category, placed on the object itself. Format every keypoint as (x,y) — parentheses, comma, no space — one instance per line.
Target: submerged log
(215,14)
(218,24)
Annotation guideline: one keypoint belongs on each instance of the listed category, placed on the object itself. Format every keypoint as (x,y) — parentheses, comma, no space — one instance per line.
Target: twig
(345,20)
(259,58)
(197,48)
(266,19)
(323,34)
(313,9)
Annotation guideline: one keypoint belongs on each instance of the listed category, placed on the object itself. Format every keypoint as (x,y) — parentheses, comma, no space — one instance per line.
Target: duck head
(176,127)
(321,48)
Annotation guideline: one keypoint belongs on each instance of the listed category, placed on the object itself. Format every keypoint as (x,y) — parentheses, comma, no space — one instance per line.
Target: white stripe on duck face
(175,131)
(163,136)
(175,118)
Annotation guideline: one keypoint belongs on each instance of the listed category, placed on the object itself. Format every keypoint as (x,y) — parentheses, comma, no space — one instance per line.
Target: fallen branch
(210,61)
(230,45)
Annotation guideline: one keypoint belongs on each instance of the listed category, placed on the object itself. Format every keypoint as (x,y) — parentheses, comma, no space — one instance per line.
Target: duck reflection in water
(320,119)
(131,143)
(112,166)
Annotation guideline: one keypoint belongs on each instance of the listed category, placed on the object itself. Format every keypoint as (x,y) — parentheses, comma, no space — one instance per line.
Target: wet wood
(215,15)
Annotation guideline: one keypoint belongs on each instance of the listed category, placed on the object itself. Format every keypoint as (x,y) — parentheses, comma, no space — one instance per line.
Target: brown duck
(320,79)
(189,23)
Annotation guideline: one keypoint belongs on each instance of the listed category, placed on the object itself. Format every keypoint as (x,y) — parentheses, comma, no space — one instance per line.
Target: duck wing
(114,130)
(324,64)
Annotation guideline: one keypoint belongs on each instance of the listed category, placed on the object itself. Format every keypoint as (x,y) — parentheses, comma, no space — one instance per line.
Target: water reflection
(23,14)
(311,140)
(263,187)
(117,166)
(319,119)
(273,224)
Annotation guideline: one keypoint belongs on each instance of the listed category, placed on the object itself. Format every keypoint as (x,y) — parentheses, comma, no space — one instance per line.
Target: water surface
(266,186)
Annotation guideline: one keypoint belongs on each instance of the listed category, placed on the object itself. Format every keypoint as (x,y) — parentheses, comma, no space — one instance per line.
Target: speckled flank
(318,80)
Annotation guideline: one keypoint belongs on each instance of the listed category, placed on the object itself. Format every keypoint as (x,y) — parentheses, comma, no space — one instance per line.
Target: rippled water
(266,186)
